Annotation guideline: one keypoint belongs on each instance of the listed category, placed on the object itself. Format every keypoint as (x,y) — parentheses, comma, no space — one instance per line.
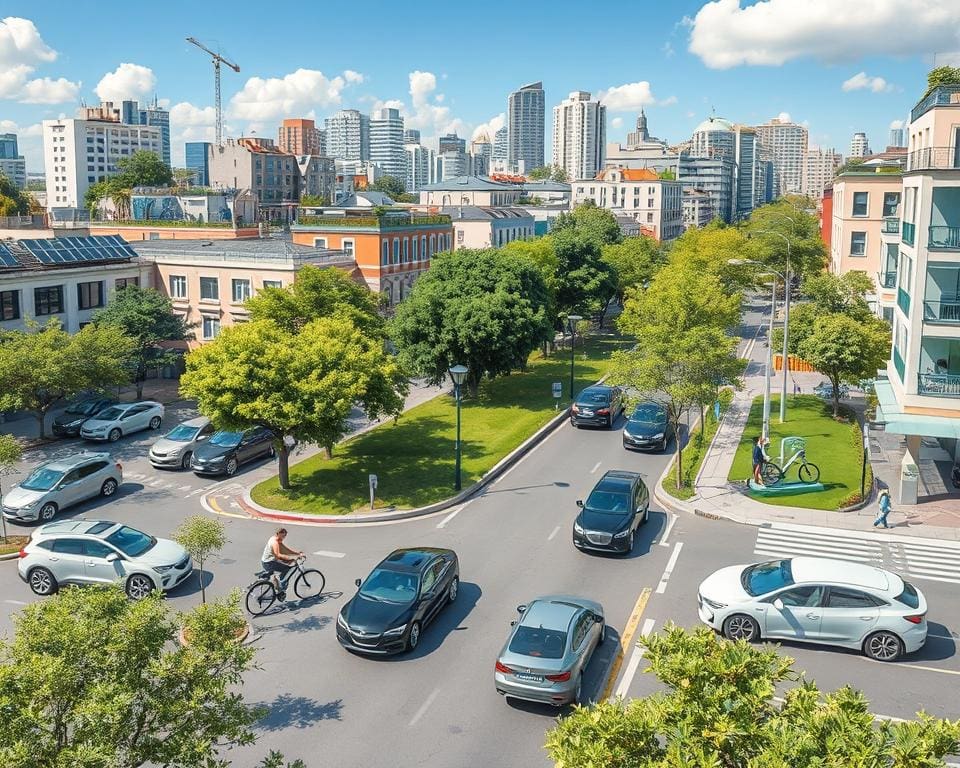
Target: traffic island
(784,489)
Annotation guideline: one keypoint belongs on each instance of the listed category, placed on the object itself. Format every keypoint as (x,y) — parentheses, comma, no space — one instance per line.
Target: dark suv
(67,424)
(613,511)
(598,405)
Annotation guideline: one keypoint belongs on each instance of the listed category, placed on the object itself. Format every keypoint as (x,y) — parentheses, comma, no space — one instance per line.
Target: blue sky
(838,66)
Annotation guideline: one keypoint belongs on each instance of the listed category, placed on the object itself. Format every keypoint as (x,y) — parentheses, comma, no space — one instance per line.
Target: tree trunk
(203,589)
(42,418)
(703,424)
(283,465)
(836,398)
(676,433)
(139,388)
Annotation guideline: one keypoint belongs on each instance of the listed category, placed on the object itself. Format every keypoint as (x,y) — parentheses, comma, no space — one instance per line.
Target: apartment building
(299,136)
(470,190)
(386,142)
(318,176)
(697,208)
(486,227)
(256,164)
(819,167)
(348,135)
(786,143)
(525,122)
(579,135)
(654,203)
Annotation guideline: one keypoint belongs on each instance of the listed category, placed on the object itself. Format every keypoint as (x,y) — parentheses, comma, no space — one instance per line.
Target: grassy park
(834,446)
(413,456)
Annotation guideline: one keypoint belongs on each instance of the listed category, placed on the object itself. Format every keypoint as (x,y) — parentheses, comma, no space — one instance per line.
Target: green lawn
(414,456)
(834,446)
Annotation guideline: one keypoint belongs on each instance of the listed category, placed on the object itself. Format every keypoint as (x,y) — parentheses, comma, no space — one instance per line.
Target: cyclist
(278,558)
(759,456)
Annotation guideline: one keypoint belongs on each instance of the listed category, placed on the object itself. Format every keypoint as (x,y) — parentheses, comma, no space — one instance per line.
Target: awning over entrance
(900,423)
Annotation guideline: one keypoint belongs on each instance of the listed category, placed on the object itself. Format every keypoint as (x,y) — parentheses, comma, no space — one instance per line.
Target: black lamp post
(572,321)
(458,373)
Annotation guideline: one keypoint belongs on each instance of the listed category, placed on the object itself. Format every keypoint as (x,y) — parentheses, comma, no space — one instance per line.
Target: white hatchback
(816,600)
(122,419)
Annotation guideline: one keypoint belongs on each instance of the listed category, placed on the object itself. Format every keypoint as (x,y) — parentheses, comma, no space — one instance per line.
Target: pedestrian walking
(759,456)
(883,501)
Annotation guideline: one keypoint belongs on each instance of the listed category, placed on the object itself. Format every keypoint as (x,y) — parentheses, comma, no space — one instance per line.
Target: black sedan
(598,405)
(403,594)
(648,428)
(67,424)
(618,504)
(224,452)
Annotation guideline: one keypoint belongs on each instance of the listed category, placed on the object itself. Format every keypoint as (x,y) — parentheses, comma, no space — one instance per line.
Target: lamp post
(786,319)
(458,373)
(572,321)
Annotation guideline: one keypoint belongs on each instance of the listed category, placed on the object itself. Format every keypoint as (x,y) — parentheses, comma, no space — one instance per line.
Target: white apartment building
(697,208)
(348,135)
(859,146)
(786,144)
(655,204)
(579,135)
(819,168)
(78,153)
(417,167)
(386,142)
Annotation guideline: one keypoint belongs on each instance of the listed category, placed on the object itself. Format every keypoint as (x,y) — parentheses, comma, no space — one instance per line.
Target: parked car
(68,423)
(618,504)
(647,428)
(122,419)
(549,648)
(175,449)
(394,604)
(61,483)
(101,552)
(224,452)
(598,405)
(816,600)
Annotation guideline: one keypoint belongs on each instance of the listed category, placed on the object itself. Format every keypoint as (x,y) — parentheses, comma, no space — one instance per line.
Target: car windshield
(84,408)
(539,642)
(182,433)
(592,397)
(42,479)
(762,578)
(608,502)
(226,439)
(390,586)
(111,414)
(130,541)
(648,414)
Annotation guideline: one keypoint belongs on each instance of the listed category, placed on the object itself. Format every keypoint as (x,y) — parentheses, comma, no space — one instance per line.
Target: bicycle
(807,471)
(262,594)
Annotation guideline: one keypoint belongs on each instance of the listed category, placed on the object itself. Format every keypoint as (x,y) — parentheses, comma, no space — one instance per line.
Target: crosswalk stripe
(817,546)
(948,556)
(783,552)
(932,559)
(844,546)
(818,537)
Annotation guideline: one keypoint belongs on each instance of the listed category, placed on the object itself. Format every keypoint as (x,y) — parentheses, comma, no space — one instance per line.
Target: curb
(11,556)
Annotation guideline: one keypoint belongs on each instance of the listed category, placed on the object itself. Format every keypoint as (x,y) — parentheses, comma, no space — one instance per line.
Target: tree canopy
(808,254)
(634,261)
(13,202)
(390,186)
(485,309)
(141,169)
(593,223)
(548,173)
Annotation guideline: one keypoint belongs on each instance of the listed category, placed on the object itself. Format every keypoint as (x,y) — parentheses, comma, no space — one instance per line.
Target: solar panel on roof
(7,259)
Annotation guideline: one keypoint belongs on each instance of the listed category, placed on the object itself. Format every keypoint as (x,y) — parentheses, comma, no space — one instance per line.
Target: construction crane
(217,60)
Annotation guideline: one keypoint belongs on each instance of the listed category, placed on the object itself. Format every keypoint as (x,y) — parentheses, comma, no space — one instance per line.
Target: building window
(178,286)
(650,218)
(396,250)
(415,250)
(319,242)
(891,203)
(48,300)
(125,282)
(858,243)
(211,327)
(385,252)
(348,246)
(90,295)
(406,250)
(272,284)
(9,305)
(210,288)
(423,247)
(433,245)
(241,290)
(860,203)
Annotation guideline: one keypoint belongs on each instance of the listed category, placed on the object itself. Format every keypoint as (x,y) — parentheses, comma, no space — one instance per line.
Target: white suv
(101,552)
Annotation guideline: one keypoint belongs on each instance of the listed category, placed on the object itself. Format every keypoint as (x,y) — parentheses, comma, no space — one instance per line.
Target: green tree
(146,316)
(92,679)
(143,169)
(313,200)
(845,349)
(10,453)
(941,76)
(808,254)
(540,252)
(586,284)
(12,201)
(484,309)
(846,293)
(391,186)
(634,261)
(43,366)
(303,385)
(719,710)
(184,177)
(548,173)
(202,537)
(318,292)
(591,222)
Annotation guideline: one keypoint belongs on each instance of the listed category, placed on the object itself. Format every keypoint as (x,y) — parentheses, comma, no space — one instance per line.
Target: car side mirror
(358,582)
(579,502)
(513,623)
(778,604)
(521,608)
(598,618)
(112,557)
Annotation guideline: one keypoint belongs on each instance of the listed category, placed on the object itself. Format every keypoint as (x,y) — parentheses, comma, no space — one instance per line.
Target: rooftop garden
(183,223)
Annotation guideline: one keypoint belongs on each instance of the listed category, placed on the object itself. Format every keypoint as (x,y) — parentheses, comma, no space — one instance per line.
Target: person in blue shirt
(759,456)
(883,501)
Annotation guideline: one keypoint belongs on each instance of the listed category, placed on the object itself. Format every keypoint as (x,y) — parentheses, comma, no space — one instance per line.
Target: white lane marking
(184,488)
(631,671)
(554,533)
(424,707)
(448,518)
(918,666)
(16,602)
(942,637)
(207,489)
(596,467)
(666,533)
(662,586)
(326,553)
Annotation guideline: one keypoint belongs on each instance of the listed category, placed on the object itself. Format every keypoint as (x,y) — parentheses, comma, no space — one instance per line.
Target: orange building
(299,136)
(391,249)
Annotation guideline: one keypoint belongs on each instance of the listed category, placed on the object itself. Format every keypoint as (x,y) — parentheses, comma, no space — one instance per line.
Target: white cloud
(427,114)
(21,50)
(490,127)
(9,126)
(669,101)
(290,96)
(186,114)
(628,97)
(20,43)
(862,80)
(45,90)
(127,81)
(352,77)
(771,32)
(896,124)
(617,122)
(667,49)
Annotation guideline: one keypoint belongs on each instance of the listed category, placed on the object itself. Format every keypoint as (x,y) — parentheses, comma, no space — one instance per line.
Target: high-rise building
(197,159)
(859,147)
(501,148)
(348,135)
(386,142)
(526,109)
(819,168)
(411,136)
(481,154)
(896,137)
(12,164)
(579,135)
(158,117)
(450,142)
(419,162)
(786,143)
(716,137)
(300,136)
(713,175)
(641,135)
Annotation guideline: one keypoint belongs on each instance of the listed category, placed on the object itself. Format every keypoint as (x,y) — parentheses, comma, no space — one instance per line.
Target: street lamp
(458,373)
(786,319)
(572,321)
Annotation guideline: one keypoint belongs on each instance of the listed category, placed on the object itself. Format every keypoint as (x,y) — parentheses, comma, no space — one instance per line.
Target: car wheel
(741,627)
(139,586)
(453,590)
(155,422)
(42,582)
(883,646)
(115,434)
(185,461)
(231,467)
(47,512)
(109,487)
(414,639)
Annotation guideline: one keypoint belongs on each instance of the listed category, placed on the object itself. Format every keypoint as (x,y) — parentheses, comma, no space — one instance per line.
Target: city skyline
(705,58)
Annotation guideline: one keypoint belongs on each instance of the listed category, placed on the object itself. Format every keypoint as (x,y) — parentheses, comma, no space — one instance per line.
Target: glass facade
(198,160)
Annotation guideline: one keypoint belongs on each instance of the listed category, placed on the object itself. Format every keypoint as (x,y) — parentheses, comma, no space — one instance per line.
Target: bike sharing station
(793,451)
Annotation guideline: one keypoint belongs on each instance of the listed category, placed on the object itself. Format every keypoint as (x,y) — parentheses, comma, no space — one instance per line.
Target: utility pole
(218,104)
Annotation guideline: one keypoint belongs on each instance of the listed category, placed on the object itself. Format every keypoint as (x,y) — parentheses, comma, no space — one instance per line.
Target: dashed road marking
(662,586)
(424,707)
(448,518)
(16,602)
(634,662)
(327,553)
(553,533)
(596,467)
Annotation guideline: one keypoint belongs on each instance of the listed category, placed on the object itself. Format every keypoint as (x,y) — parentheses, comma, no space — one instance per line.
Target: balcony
(933,159)
(947,238)
(941,95)
(903,301)
(909,232)
(938,384)
(891,226)
(947,312)
(887,279)
(898,363)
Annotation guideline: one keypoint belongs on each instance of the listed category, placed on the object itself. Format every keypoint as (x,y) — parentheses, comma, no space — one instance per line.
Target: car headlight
(622,534)
(342,621)
(31,505)
(577,527)
(396,630)
(162,568)
(76,423)
(713,603)
(658,436)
